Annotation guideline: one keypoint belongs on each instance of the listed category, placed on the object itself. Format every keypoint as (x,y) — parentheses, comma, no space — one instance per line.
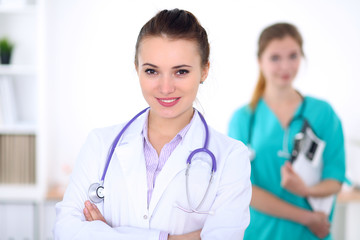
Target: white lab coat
(125,206)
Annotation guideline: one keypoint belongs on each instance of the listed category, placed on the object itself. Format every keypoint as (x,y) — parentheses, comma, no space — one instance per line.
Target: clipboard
(307,162)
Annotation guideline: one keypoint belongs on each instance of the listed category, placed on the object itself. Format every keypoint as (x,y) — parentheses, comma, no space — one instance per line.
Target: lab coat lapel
(130,155)
(177,160)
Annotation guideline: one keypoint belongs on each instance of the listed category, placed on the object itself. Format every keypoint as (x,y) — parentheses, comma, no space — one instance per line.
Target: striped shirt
(155,163)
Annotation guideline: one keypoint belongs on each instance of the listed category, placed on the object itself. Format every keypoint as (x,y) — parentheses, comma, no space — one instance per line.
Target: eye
(275,58)
(182,72)
(150,71)
(294,56)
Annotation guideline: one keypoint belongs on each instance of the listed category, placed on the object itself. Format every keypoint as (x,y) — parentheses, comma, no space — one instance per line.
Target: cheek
(194,90)
(145,85)
(268,69)
(296,66)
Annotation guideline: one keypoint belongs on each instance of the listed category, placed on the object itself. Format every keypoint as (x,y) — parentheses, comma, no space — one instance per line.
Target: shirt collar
(181,134)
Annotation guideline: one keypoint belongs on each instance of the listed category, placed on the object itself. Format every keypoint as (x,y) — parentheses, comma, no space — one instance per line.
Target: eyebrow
(181,66)
(175,67)
(149,64)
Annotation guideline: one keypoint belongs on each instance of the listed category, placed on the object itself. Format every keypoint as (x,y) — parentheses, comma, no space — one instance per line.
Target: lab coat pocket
(197,183)
(191,208)
(182,222)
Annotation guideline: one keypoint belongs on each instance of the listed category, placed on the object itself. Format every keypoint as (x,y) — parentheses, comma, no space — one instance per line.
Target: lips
(285,77)
(168,102)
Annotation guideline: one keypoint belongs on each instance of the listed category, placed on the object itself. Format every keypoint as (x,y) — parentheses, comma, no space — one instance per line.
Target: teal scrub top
(267,142)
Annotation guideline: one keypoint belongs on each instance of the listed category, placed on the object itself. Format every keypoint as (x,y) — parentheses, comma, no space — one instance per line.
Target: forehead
(284,44)
(161,49)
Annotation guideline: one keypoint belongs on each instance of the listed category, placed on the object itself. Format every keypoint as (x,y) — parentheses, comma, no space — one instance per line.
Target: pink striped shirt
(155,163)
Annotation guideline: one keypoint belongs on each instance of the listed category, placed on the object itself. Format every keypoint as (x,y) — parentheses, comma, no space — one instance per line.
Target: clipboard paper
(308,164)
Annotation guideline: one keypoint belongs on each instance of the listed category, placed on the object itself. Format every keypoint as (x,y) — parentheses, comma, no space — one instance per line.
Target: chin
(165,112)
(284,83)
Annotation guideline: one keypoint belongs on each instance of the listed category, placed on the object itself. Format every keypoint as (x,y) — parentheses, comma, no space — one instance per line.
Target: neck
(280,95)
(283,103)
(169,126)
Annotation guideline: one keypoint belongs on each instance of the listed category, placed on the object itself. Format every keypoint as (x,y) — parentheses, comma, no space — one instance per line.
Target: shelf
(349,196)
(18,129)
(20,9)
(23,165)
(13,70)
(55,193)
(355,141)
(20,192)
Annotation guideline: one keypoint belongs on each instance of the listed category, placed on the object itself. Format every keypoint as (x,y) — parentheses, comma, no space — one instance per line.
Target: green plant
(6,46)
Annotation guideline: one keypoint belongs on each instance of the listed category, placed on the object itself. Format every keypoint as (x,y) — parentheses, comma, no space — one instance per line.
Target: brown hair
(275,31)
(176,24)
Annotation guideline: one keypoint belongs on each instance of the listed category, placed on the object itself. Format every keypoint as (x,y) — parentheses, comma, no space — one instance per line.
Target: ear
(205,72)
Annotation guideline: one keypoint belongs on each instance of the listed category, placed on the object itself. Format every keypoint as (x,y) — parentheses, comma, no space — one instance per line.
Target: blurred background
(71,70)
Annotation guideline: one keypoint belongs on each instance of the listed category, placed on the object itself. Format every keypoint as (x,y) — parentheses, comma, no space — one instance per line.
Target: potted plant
(6,48)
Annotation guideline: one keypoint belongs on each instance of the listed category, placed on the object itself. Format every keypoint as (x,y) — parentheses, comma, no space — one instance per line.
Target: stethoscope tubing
(204,149)
(115,142)
(96,190)
(253,116)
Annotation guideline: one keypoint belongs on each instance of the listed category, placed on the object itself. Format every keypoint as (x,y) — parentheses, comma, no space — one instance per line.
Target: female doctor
(276,113)
(148,190)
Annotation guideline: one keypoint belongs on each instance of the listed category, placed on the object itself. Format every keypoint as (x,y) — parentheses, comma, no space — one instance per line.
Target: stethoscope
(96,190)
(283,153)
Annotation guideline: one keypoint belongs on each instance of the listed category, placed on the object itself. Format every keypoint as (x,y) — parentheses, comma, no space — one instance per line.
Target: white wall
(92,81)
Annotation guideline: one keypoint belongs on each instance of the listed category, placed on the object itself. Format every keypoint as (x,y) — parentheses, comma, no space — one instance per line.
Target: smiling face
(280,62)
(170,72)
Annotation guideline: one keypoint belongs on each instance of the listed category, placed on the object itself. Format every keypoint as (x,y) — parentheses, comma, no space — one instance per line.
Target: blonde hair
(258,91)
(275,31)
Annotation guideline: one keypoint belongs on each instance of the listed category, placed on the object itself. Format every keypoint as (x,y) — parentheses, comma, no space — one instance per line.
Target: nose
(286,64)
(167,85)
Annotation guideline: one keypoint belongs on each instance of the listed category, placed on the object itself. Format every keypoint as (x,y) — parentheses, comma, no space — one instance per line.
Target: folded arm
(268,203)
(291,181)
(70,219)
(92,213)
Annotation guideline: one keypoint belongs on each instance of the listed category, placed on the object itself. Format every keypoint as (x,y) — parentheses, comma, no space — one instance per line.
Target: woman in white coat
(145,193)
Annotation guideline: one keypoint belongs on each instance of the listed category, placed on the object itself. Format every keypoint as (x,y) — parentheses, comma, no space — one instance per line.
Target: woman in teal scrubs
(279,209)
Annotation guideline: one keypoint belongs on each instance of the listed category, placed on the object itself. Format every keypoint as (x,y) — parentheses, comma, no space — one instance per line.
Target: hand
(92,213)
(188,236)
(292,182)
(319,224)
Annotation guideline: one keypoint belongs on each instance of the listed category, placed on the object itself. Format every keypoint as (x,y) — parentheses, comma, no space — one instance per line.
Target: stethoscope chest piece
(96,192)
